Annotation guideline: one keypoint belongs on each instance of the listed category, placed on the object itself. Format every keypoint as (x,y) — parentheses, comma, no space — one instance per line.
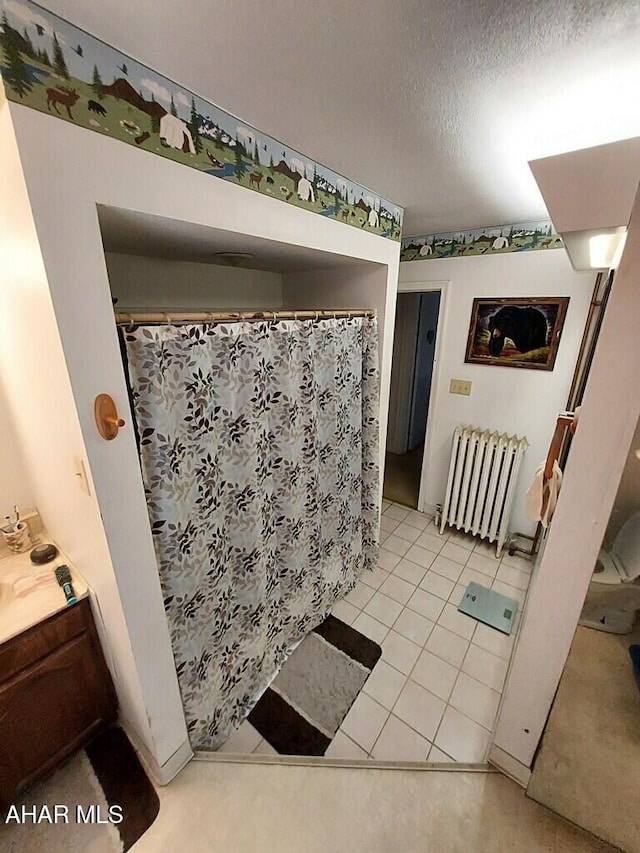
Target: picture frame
(517,331)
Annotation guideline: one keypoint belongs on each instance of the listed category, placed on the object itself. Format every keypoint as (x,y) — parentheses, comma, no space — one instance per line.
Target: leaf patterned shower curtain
(259,452)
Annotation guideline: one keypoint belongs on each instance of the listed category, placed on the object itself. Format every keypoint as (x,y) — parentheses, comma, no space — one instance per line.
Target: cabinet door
(49,710)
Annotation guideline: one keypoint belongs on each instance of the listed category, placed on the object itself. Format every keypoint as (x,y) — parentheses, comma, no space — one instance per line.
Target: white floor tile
(455,552)
(483,564)
(343,747)
(400,652)
(420,556)
(375,578)
(437,756)
(396,545)
(434,674)
(462,738)
(408,571)
(485,667)
(447,568)
(388,525)
(345,612)
(387,560)
(385,684)
(398,589)
(399,742)
(471,575)
(464,540)
(435,531)
(417,519)
(447,645)
(426,604)
(405,531)
(364,721)
(510,591)
(456,596)
(420,709)
(413,626)
(459,623)
(514,577)
(494,641)
(487,549)
(370,627)
(265,748)
(396,511)
(384,609)
(517,561)
(431,541)
(243,741)
(436,584)
(475,700)
(360,595)
(386,504)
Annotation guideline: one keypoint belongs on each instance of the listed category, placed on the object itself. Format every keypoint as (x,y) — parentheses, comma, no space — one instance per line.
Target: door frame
(426,287)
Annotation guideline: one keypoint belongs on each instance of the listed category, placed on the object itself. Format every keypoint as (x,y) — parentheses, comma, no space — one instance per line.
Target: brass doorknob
(106,415)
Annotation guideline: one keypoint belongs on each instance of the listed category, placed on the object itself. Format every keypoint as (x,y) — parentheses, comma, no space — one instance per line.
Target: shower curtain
(259,451)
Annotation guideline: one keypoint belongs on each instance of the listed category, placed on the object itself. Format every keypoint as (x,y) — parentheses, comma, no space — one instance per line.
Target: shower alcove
(91,218)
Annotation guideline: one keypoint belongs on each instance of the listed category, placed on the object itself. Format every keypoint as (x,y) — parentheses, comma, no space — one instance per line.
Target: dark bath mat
(106,780)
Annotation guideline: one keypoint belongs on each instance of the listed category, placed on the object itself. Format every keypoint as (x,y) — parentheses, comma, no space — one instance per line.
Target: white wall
(599,450)
(514,400)
(15,480)
(142,282)
(68,172)
(41,416)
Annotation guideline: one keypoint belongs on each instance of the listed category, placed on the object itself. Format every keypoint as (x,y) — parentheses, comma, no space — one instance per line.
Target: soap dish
(42,554)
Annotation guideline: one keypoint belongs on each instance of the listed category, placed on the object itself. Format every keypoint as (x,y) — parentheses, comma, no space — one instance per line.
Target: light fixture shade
(594,250)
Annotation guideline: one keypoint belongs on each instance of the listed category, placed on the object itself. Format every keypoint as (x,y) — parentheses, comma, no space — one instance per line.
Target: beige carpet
(243,808)
(402,477)
(588,768)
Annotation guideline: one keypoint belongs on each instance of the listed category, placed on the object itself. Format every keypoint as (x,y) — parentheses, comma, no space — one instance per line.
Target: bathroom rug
(302,710)
(104,800)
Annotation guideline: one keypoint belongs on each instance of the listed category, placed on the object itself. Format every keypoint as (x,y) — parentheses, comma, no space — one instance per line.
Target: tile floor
(434,693)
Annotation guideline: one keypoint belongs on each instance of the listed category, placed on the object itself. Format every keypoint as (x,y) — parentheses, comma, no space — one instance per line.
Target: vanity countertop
(29,594)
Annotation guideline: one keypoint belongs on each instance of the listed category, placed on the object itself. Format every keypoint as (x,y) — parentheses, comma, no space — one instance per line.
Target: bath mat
(301,711)
(490,607)
(634,652)
(105,794)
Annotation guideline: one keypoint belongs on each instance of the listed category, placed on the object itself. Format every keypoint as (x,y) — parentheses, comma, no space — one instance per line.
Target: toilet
(613,598)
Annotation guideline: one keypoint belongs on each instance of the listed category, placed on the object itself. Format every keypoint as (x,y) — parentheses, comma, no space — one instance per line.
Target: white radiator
(482,477)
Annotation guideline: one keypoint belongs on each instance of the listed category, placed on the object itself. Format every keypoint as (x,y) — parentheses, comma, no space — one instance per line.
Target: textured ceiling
(436,104)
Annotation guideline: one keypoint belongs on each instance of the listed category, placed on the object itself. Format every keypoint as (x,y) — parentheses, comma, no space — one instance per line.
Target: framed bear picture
(518,332)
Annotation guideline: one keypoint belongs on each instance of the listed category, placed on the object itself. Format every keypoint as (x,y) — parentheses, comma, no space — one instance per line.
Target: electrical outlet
(460,386)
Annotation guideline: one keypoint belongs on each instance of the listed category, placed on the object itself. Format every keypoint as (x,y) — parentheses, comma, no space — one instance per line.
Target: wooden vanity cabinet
(56,693)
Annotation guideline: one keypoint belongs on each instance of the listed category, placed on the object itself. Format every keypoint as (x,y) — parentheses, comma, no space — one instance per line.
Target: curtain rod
(171,318)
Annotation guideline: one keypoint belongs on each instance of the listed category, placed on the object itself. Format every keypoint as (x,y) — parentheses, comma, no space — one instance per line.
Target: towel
(541,497)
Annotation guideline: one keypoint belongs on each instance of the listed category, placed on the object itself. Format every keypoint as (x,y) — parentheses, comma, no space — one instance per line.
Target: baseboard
(509,765)
(161,774)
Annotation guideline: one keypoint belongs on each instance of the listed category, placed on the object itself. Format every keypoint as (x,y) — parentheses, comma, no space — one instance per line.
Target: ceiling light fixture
(233,259)
(595,250)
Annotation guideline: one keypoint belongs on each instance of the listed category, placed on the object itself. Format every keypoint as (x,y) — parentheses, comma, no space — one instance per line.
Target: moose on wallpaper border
(516,332)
